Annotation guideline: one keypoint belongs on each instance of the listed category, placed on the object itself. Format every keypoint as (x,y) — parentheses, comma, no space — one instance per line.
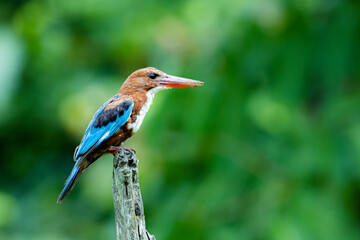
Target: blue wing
(105,123)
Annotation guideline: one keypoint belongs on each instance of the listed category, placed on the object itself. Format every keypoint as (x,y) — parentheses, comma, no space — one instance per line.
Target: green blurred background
(269,148)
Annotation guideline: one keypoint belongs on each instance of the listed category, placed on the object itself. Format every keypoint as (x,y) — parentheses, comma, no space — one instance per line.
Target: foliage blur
(269,148)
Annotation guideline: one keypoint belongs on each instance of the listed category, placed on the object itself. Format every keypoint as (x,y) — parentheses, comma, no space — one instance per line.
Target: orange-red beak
(178,82)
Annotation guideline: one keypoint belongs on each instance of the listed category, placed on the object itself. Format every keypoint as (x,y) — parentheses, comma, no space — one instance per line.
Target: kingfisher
(120,117)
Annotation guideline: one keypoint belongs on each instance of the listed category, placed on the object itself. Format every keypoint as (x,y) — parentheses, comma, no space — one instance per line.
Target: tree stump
(129,209)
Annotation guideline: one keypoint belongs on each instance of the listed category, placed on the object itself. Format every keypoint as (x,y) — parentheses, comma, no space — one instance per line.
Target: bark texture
(129,209)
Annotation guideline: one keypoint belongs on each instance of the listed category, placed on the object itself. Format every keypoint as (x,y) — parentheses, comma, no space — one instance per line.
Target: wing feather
(105,123)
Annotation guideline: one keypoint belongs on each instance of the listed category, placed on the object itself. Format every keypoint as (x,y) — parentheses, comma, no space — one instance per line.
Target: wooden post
(129,209)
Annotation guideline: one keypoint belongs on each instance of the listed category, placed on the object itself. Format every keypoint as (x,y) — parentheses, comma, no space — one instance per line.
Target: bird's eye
(153,75)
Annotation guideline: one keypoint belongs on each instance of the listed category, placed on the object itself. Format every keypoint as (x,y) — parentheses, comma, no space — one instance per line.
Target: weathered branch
(129,210)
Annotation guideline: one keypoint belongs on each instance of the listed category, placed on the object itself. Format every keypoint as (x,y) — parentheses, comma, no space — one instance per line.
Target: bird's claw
(114,149)
(129,149)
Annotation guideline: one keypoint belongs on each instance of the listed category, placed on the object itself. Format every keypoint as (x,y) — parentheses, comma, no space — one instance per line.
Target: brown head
(149,78)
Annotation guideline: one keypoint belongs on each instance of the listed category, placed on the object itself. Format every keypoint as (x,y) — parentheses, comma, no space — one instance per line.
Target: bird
(120,118)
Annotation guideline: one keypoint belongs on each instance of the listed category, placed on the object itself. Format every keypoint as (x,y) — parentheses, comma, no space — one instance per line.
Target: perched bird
(120,117)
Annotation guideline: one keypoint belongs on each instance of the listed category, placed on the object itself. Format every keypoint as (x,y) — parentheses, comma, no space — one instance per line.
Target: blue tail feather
(70,182)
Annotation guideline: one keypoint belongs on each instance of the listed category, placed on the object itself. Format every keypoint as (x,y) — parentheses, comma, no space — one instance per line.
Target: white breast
(150,96)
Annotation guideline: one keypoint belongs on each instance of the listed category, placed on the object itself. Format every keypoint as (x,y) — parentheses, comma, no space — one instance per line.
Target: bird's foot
(114,149)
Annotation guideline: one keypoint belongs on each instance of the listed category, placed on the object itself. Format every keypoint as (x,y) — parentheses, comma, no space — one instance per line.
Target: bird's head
(152,78)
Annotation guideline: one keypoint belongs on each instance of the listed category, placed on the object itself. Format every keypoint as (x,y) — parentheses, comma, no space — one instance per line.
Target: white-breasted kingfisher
(120,117)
